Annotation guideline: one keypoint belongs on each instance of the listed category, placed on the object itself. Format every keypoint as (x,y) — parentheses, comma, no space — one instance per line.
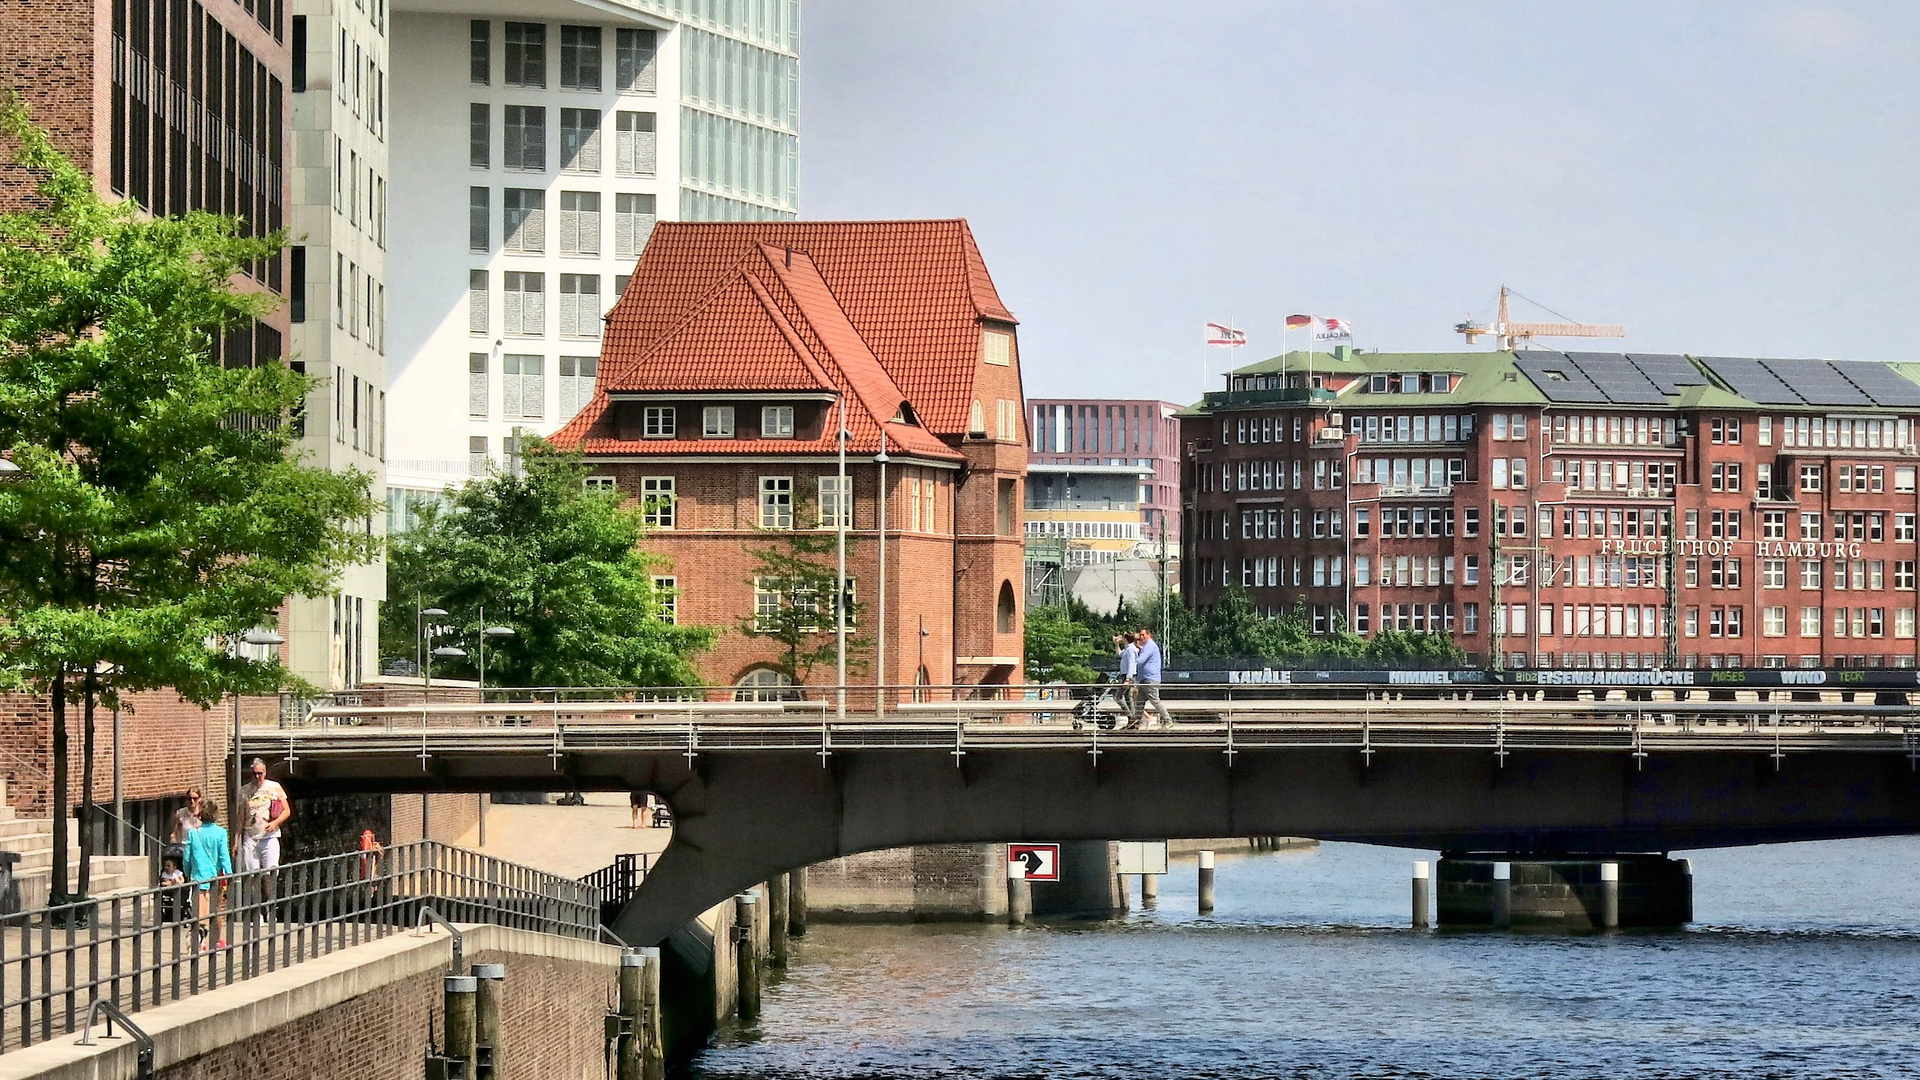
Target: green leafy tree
(556,563)
(796,573)
(157,513)
(1058,646)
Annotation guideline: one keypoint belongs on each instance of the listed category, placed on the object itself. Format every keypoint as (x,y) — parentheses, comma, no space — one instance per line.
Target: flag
(1297,322)
(1225,335)
(1332,330)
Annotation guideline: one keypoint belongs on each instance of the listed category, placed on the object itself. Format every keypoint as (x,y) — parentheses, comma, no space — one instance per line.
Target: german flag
(1297,322)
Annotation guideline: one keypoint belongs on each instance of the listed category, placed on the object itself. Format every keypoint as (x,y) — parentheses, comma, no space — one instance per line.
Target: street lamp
(420,663)
(444,652)
(485,633)
(255,636)
(8,468)
(880,641)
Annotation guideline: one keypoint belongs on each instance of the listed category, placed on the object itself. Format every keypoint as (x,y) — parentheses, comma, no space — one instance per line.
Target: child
(172,906)
(209,858)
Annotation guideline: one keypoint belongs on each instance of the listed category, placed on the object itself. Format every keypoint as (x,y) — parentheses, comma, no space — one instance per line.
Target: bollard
(746,956)
(632,1011)
(490,979)
(797,902)
(1206,882)
(1422,882)
(1019,895)
(777,920)
(1609,895)
(1502,895)
(460,991)
(653,1048)
(1149,890)
(1686,873)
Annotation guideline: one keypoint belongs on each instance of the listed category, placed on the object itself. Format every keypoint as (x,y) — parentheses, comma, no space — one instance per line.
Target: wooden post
(490,979)
(633,1009)
(747,955)
(777,900)
(458,997)
(797,902)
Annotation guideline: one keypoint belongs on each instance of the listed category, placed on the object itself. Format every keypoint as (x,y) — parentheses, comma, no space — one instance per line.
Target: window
(666,593)
(580,226)
(1810,622)
(635,149)
(580,305)
(1903,479)
(776,422)
(580,57)
(524,130)
(577,374)
(600,483)
(836,511)
(996,347)
(477,390)
(633,218)
(523,220)
(523,387)
(764,684)
(579,140)
(1809,477)
(477,455)
(479,221)
(1809,526)
(657,505)
(479,50)
(524,304)
(526,55)
(479,135)
(634,69)
(658,422)
(776,502)
(716,422)
(477,302)
(1007,420)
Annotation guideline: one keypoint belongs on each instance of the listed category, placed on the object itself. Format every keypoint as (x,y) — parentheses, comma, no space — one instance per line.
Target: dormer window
(1409,384)
(1441,384)
(1378,384)
(996,347)
(716,422)
(776,422)
(657,422)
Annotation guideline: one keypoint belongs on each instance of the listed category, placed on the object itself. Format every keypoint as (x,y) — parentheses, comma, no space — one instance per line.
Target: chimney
(789,256)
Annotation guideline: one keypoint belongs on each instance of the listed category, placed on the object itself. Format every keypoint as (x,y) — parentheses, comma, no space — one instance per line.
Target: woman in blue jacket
(209,859)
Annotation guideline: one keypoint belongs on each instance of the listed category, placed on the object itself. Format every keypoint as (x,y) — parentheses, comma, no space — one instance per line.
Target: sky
(1738,177)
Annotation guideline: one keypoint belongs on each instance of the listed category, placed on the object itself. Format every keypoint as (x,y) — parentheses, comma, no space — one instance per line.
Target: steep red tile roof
(913,292)
(733,338)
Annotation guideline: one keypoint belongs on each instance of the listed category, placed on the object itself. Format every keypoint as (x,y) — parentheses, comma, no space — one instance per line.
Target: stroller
(1106,709)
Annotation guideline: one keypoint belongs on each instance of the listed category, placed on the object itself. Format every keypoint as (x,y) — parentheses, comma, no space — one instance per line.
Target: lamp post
(421,662)
(842,510)
(485,633)
(251,637)
(880,642)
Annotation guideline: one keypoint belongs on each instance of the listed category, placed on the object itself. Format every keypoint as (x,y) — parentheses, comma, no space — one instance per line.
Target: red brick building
(723,367)
(1568,510)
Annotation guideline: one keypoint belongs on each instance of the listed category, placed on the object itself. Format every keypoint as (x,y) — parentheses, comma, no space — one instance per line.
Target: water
(1805,963)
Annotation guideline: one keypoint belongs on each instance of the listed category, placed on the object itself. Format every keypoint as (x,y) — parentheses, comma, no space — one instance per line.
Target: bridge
(758,788)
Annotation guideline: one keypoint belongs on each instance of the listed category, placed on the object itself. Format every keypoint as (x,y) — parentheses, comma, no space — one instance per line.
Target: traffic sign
(1034,862)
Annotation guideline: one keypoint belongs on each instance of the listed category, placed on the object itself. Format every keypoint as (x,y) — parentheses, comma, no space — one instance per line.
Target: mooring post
(777,920)
(1609,895)
(633,966)
(1502,895)
(747,955)
(1149,890)
(1019,894)
(1422,882)
(490,980)
(797,902)
(1206,882)
(458,1009)
(1686,879)
(653,1049)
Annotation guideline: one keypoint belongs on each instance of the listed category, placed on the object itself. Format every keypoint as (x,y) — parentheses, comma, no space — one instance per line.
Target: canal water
(1805,962)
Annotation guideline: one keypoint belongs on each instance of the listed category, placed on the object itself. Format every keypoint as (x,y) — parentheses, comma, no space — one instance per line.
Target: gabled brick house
(723,365)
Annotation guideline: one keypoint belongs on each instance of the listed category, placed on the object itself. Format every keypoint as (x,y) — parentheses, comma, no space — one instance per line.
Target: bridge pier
(1570,892)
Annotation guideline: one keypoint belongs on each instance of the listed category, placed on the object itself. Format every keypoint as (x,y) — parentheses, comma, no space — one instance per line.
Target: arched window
(977,421)
(764,684)
(1004,610)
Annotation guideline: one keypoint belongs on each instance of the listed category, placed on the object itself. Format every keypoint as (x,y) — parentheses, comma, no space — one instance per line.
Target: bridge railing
(143,948)
(617,882)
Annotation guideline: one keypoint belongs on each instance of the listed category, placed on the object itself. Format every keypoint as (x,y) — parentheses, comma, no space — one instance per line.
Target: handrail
(430,917)
(140,1037)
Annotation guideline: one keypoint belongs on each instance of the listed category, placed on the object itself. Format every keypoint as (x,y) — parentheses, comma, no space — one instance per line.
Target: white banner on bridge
(1140,856)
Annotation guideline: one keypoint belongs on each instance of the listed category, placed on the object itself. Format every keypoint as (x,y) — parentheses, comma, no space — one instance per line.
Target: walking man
(1129,664)
(1147,679)
(265,808)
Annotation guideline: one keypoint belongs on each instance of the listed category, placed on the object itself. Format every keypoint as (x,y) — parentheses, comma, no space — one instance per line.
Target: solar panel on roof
(1817,382)
(1885,385)
(1671,372)
(1558,378)
(1751,380)
(1616,377)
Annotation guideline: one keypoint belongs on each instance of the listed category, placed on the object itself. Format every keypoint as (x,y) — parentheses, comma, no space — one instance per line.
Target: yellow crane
(1512,333)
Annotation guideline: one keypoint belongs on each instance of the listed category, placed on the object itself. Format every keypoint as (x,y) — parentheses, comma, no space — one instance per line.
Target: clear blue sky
(1738,177)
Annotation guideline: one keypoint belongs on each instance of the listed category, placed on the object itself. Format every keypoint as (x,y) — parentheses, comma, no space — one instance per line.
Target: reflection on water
(1805,963)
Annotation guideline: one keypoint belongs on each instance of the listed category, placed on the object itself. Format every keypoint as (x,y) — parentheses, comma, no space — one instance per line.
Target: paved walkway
(572,841)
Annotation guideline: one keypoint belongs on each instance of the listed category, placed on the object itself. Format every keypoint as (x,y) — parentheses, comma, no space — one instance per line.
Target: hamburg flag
(1225,335)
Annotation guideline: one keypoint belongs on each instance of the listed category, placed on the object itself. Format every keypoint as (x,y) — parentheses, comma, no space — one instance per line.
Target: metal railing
(138,950)
(617,882)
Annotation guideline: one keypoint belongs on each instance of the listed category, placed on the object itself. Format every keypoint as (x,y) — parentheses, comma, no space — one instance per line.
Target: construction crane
(1512,333)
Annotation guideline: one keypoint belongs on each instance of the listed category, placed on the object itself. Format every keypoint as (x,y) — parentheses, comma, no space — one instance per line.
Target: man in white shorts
(267,809)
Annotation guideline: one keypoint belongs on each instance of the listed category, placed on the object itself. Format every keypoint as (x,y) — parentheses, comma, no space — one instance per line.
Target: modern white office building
(535,144)
(337,248)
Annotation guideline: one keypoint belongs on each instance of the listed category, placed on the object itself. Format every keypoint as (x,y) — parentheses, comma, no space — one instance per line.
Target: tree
(559,565)
(1058,646)
(796,598)
(158,514)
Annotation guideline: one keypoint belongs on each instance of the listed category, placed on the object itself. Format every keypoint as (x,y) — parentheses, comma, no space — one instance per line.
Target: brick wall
(50,59)
(453,817)
(931,881)
(550,1029)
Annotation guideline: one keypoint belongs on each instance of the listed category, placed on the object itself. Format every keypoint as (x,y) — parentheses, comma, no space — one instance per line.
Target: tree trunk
(86,783)
(57,888)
